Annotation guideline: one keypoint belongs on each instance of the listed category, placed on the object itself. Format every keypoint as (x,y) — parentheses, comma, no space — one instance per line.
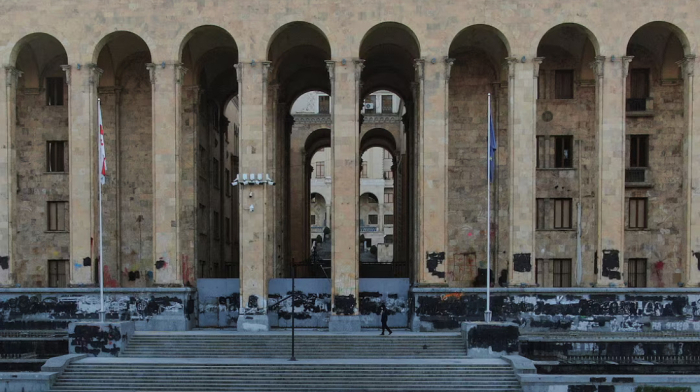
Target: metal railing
(635,174)
(636,104)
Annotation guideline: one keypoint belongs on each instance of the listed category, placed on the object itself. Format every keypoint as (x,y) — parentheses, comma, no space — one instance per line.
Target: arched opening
(210,113)
(299,104)
(125,98)
(567,157)
(40,139)
(479,54)
(655,132)
(389,147)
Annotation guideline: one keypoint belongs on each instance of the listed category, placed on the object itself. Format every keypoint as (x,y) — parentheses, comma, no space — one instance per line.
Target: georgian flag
(103,158)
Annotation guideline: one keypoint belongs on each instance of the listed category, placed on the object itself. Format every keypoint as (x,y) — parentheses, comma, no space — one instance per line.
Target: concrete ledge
(344,324)
(622,383)
(108,339)
(521,365)
(490,339)
(253,323)
(27,382)
(58,364)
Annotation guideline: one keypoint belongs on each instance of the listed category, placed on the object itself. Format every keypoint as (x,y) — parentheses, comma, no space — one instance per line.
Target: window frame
(324,104)
(559,224)
(59,208)
(320,169)
(54,91)
(58,264)
(388,195)
(645,202)
(376,219)
(560,91)
(390,108)
(58,147)
(387,218)
(560,281)
(633,276)
(639,151)
(561,142)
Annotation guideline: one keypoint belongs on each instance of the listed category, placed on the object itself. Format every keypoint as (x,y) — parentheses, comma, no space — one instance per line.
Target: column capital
(625,60)
(180,72)
(536,62)
(95,73)
(419,66)
(266,65)
(151,67)
(239,71)
(598,66)
(359,66)
(510,63)
(448,67)
(330,66)
(66,69)
(12,75)
(687,65)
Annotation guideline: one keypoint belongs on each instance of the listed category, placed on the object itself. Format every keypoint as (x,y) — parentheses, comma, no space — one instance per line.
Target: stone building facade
(596,180)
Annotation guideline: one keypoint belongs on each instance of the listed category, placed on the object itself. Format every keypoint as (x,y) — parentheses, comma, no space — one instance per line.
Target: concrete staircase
(136,374)
(316,346)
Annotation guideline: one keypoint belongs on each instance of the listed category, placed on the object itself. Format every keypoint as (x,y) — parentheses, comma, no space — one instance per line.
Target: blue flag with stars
(492,149)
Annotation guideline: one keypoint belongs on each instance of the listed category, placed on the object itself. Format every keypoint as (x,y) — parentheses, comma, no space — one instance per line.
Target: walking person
(385,317)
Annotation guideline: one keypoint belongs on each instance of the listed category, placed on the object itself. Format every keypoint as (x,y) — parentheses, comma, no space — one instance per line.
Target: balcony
(640,107)
(637,177)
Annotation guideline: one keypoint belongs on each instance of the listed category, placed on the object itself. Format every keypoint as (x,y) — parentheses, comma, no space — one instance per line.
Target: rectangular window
(228,229)
(563,151)
(388,175)
(324,104)
(639,150)
(564,84)
(562,213)
(388,219)
(54,91)
(541,213)
(541,152)
(313,219)
(373,219)
(363,170)
(58,216)
(387,154)
(387,104)
(58,273)
(388,195)
(636,272)
(227,184)
(215,173)
(639,83)
(638,213)
(215,225)
(561,269)
(56,156)
(370,104)
(320,169)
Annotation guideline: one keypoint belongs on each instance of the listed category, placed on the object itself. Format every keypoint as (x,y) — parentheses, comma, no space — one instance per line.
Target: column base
(253,323)
(344,324)
(99,339)
(490,339)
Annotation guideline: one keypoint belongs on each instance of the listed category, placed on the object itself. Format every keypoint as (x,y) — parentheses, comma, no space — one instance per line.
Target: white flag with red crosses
(103,157)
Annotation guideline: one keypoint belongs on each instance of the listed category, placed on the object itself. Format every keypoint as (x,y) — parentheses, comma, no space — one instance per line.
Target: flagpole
(487,314)
(99,181)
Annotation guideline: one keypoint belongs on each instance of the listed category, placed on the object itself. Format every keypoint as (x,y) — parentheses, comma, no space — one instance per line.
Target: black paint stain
(499,338)
(697,257)
(522,262)
(434,260)
(583,388)
(160,264)
(597,379)
(480,280)
(345,305)
(312,303)
(4,262)
(626,380)
(606,388)
(90,339)
(611,264)
(503,279)
(595,263)
(87,262)
(252,302)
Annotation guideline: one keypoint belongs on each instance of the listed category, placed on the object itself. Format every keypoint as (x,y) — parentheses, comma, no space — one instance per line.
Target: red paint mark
(453,295)
(470,234)
(659,272)
(187,271)
(109,280)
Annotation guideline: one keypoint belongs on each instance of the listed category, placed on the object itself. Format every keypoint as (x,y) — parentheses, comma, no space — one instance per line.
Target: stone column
(253,276)
(522,101)
(166,80)
(692,181)
(345,151)
(8,102)
(610,112)
(82,155)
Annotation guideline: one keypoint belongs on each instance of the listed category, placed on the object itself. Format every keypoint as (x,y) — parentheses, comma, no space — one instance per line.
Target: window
(371,199)
(388,195)
(313,219)
(387,104)
(639,150)
(324,104)
(54,91)
(561,272)
(637,213)
(564,84)
(56,156)
(58,216)
(639,83)
(228,230)
(363,170)
(563,151)
(215,173)
(373,219)
(388,219)
(215,225)
(320,169)
(636,272)
(562,213)
(58,273)
(227,184)
(388,175)
(553,272)
(370,104)
(387,154)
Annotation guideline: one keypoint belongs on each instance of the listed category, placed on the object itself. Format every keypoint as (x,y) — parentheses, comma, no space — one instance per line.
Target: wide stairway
(306,346)
(238,362)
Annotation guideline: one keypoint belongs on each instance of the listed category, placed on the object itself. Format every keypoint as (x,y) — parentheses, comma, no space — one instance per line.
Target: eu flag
(493,146)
